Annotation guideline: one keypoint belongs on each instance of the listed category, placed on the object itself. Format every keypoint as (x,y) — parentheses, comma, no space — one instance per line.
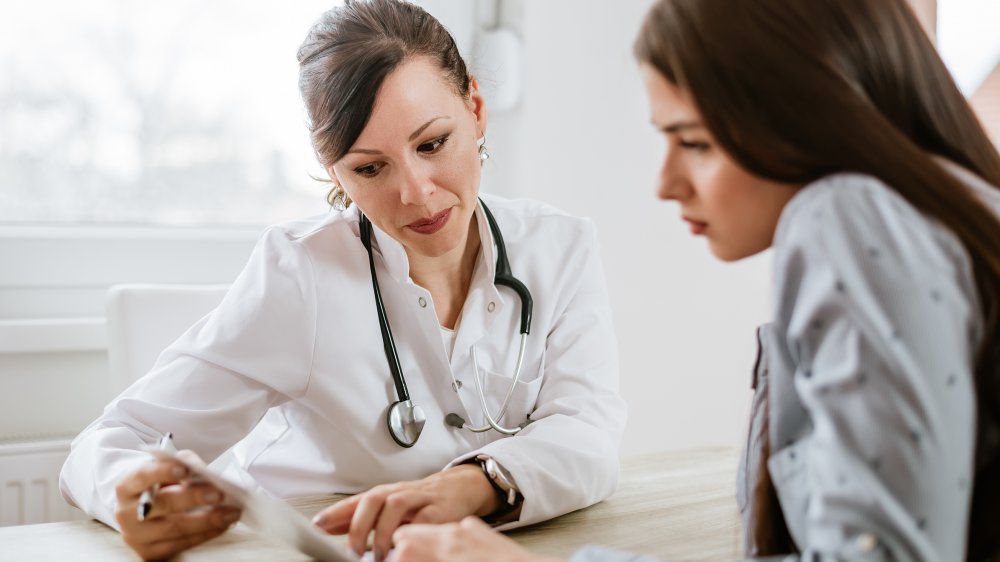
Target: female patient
(294,366)
(831,131)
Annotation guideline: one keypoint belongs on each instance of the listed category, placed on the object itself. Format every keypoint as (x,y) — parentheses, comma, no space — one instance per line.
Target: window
(968,41)
(181,113)
(970,45)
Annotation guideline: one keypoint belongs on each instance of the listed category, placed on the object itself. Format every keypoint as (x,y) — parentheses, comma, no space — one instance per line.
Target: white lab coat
(290,367)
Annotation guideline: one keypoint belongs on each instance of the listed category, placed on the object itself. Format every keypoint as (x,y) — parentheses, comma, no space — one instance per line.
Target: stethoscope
(406,420)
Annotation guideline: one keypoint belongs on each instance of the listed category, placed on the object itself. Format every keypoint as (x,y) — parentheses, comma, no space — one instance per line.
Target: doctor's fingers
(165,549)
(171,534)
(399,510)
(382,514)
(336,519)
(162,472)
(185,496)
(175,526)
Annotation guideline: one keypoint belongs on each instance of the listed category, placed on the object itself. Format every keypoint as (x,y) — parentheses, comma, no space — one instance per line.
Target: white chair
(142,320)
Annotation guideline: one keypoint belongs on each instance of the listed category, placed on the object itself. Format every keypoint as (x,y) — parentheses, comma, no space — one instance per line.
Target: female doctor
(384,346)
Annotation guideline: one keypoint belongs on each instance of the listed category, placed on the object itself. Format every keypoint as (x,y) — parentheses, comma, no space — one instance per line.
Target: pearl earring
(338,198)
(484,154)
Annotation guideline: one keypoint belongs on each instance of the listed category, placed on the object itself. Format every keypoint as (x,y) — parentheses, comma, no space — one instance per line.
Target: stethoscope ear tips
(405,421)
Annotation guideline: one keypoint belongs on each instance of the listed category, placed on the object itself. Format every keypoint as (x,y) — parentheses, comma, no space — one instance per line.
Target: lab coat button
(455,385)
(866,542)
(491,307)
(423,302)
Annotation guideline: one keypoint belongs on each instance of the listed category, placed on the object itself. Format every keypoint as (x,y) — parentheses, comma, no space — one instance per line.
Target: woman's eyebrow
(425,125)
(419,130)
(679,126)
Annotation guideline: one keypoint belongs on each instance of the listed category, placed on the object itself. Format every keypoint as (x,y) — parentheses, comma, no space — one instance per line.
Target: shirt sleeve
(567,457)
(875,313)
(211,386)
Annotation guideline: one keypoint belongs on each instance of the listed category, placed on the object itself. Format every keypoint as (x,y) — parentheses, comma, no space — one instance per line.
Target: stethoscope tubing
(388,343)
(491,422)
(503,277)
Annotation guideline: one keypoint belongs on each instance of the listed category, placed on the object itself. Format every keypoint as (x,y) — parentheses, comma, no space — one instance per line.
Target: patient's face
(736,211)
(415,168)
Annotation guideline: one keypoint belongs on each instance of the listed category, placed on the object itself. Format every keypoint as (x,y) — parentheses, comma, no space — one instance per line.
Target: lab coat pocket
(523,396)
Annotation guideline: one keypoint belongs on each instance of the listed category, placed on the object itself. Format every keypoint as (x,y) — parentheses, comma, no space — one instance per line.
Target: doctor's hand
(184,514)
(468,541)
(442,497)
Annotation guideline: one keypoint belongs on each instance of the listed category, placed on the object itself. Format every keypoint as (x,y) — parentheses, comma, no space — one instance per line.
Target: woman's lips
(431,225)
(697,227)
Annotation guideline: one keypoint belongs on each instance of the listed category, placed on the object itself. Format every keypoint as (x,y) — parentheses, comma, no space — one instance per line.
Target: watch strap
(510,496)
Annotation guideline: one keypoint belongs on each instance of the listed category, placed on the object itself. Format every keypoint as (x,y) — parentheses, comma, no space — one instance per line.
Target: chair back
(143,319)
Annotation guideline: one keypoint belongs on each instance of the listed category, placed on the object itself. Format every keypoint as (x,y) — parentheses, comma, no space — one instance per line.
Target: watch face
(499,480)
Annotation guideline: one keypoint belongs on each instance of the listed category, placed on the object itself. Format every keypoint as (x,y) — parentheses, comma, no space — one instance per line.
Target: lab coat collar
(488,249)
(397,263)
(482,294)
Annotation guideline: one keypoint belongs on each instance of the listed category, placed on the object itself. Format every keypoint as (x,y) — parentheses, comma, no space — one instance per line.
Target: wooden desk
(675,505)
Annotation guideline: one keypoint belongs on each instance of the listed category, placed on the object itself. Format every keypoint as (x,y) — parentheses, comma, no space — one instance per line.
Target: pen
(146,499)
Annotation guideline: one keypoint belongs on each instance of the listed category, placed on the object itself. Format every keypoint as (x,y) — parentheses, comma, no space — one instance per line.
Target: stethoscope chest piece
(405,421)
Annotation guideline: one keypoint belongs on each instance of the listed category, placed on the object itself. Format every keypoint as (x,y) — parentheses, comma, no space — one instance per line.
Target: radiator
(29,483)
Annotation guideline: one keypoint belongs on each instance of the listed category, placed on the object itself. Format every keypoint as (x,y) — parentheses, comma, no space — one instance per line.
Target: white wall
(53,361)
(581,139)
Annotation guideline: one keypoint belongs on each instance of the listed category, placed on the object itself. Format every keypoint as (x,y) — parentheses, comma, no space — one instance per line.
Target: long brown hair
(347,55)
(795,90)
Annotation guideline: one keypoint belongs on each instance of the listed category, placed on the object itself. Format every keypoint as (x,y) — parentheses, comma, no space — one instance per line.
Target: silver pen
(146,499)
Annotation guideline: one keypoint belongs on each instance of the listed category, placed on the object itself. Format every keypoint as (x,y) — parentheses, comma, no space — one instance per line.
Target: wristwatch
(504,485)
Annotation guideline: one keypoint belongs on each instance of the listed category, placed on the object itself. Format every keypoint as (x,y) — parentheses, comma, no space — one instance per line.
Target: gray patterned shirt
(868,369)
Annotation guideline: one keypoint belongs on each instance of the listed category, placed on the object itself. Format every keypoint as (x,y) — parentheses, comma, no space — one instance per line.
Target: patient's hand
(442,497)
(184,514)
(468,541)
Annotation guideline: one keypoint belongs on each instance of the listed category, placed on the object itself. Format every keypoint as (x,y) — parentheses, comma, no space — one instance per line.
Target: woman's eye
(432,146)
(694,145)
(369,170)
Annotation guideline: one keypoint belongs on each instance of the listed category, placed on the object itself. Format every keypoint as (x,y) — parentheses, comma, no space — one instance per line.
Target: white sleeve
(212,385)
(876,318)
(567,458)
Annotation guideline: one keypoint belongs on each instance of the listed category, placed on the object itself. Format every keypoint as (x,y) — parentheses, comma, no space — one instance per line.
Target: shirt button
(491,307)
(423,302)
(866,542)
(455,385)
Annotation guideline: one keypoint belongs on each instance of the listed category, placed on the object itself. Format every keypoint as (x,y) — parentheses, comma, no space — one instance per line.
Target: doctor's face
(415,168)
(736,211)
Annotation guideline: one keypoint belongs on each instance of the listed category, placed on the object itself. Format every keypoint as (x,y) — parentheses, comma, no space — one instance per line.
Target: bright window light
(968,38)
(174,113)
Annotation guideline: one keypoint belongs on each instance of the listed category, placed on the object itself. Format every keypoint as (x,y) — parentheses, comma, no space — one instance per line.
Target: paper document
(272,518)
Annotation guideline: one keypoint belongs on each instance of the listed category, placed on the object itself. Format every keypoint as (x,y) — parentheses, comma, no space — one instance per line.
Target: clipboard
(270,517)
